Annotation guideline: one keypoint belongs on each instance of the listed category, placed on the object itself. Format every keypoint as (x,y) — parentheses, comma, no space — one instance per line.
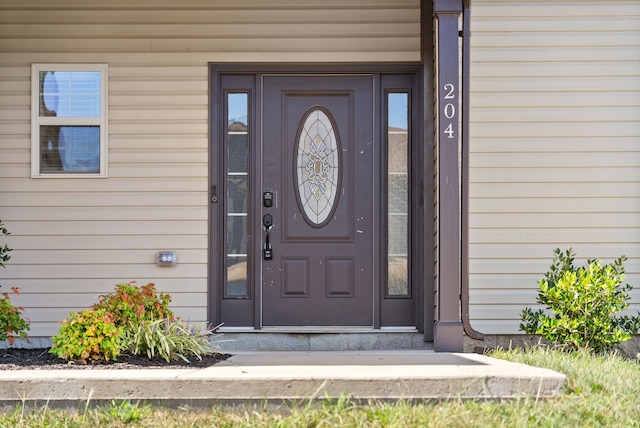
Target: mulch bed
(41,359)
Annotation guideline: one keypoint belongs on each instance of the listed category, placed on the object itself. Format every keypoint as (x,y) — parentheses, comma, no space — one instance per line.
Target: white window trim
(37,120)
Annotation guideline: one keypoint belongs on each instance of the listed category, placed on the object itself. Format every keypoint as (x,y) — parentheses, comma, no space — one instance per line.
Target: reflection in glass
(236,276)
(237,109)
(70,93)
(397,227)
(236,194)
(69,149)
(237,236)
(237,146)
(397,194)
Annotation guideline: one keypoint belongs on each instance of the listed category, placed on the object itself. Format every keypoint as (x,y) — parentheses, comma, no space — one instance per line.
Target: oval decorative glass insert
(317,166)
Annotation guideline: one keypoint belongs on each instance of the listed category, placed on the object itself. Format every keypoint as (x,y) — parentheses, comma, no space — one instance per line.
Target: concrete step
(232,341)
(277,377)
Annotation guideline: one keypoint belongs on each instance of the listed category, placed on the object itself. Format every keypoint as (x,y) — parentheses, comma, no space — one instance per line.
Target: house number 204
(449,109)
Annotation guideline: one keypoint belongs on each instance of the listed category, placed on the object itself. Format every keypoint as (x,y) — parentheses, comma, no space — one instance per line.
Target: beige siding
(74,239)
(222,30)
(555,146)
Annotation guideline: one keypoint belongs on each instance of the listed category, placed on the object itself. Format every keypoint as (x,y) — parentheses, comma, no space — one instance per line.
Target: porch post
(448,334)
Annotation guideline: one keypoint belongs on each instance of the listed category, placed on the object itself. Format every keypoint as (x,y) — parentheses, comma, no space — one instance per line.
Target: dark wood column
(448,334)
(426,248)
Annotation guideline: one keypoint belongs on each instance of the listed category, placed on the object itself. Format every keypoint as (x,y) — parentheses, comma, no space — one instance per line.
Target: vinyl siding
(74,239)
(555,159)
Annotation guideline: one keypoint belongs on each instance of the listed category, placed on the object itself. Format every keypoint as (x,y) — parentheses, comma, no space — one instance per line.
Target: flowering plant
(12,323)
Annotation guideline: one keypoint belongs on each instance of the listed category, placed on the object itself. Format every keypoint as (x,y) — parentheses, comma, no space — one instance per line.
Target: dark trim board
(448,332)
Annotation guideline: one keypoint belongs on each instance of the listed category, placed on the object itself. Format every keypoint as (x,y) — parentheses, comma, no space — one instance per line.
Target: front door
(319,199)
(316,199)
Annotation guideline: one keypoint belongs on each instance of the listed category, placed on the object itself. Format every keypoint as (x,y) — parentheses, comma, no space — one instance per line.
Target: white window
(69,120)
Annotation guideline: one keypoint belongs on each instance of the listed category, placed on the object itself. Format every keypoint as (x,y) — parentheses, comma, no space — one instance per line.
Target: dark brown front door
(318,162)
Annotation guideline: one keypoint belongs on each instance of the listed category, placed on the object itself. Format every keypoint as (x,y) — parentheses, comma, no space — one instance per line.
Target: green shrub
(133,304)
(169,339)
(88,336)
(12,324)
(584,302)
(4,250)
(134,319)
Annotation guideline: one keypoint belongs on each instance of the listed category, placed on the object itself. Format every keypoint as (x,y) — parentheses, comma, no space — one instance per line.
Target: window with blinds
(69,117)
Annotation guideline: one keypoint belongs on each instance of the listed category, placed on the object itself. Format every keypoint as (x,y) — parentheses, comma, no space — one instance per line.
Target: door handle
(267,222)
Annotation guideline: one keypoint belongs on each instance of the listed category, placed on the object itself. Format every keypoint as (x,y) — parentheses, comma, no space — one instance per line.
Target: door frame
(422,256)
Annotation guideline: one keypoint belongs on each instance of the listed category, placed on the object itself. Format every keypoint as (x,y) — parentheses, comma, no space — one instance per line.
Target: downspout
(464,203)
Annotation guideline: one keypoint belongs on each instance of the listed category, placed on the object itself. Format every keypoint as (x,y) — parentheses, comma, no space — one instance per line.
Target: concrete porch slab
(291,376)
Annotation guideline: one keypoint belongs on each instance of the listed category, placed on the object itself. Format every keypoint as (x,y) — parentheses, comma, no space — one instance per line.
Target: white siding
(555,146)
(74,239)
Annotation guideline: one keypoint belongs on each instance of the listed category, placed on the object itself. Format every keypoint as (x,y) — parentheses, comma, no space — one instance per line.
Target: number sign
(449,110)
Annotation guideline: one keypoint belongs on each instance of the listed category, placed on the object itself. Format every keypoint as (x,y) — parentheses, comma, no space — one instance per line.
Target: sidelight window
(237,182)
(398,194)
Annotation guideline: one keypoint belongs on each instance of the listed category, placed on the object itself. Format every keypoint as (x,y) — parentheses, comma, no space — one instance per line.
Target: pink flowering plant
(130,303)
(12,322)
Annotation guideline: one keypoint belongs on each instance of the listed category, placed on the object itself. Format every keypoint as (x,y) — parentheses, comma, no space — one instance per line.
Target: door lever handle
(267,222)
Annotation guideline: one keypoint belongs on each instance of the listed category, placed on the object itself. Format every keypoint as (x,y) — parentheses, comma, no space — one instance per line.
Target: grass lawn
(601,391)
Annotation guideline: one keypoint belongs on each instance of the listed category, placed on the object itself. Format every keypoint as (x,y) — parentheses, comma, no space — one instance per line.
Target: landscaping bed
(41,359)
